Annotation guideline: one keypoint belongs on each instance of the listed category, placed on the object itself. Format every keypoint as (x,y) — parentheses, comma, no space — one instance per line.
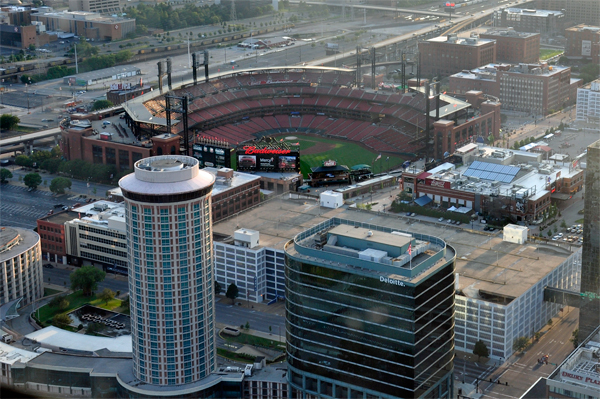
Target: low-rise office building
(537,89)
(256,269)
(99,6)
(583,42)
(497,182)
(513,46)
(96,232)
(544,22)
(576,11)
(446,55)
(87,24)
(588,102)
(20,266)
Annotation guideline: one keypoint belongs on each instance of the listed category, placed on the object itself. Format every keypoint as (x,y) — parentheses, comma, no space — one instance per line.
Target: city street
(521,371)
(21,208)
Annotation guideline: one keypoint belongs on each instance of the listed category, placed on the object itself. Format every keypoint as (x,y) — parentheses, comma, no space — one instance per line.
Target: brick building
(544,22)
(576,11)
(583,42)
(87,24)
(514,47)
(84,143)
(445,55)
(451,133)
(532,88)
(51,229)
(496,182)
(18,36)
(99,6)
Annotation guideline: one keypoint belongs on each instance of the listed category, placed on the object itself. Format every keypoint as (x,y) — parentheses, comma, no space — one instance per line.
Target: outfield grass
(343,152)
(547,53)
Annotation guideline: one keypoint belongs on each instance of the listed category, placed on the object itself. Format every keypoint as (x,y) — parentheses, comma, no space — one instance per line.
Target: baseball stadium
(322,110)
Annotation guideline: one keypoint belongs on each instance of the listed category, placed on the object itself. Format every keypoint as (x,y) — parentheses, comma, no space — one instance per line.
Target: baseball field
(315,149)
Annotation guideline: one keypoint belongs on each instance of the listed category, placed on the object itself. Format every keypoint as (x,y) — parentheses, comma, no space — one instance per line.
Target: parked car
(440,219)
(48,266)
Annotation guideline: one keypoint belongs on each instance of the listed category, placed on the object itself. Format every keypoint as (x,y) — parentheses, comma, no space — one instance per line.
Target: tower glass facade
(169,242)
(353,330)
(589,316)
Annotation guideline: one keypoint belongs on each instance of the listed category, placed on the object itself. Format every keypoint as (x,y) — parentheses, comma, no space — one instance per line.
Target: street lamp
(465,367)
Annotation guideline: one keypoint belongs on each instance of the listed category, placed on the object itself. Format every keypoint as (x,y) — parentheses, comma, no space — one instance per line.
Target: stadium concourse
(247,104)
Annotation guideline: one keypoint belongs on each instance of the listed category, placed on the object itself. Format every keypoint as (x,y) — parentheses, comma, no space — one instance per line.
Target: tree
(32,180)
(61,320)
(520,344)
(549,322)
(575,338)
(101,104)
(59,184)
(106,295)
(125,303)
(60,302)
(24,160)
(232,292)
(5,174)
(563,224)
(481,349)
(218,288)
(8,121)
(86,279)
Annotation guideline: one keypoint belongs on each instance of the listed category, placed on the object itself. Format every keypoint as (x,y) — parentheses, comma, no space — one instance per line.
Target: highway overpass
(16,142)
(378,8)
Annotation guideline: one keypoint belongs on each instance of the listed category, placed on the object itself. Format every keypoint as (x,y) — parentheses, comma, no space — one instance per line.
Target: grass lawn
(234,356)
(76,299)
(548,53)
(579,221)
(50,291)
(248,339)
(111,305)
(343,152)
(25,129)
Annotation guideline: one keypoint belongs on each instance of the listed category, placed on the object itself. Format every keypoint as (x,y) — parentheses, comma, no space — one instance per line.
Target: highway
(376,8)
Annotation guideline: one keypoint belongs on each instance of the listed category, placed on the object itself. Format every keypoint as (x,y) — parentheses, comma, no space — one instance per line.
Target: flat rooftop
(464,41)
(10,354)
(509,32)
(15,240)
(532,12)
(223,185)
(484,261)
(53,337)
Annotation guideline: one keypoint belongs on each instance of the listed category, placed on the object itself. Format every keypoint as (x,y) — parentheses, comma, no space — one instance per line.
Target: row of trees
(53,162)
(58,185)
(163,16)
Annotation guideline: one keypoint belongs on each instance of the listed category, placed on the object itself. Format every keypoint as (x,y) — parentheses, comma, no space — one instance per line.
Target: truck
(6,337)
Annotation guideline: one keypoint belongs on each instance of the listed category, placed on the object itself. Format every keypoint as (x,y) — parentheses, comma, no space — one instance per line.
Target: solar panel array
(491,171)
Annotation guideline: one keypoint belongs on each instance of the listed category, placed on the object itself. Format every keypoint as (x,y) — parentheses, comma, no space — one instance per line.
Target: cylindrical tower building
(169,241)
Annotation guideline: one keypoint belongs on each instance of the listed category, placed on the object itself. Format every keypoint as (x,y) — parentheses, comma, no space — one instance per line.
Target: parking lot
(22,208)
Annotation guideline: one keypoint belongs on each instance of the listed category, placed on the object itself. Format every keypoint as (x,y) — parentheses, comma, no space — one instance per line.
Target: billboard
(212,155)
(586,48)
(252,158)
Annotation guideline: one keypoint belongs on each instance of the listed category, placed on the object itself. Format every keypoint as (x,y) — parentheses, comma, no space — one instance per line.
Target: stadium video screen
(267,162)
(212,156)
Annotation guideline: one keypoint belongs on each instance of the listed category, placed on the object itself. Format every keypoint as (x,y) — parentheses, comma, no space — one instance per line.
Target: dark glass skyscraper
(370,310)
(589,316)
